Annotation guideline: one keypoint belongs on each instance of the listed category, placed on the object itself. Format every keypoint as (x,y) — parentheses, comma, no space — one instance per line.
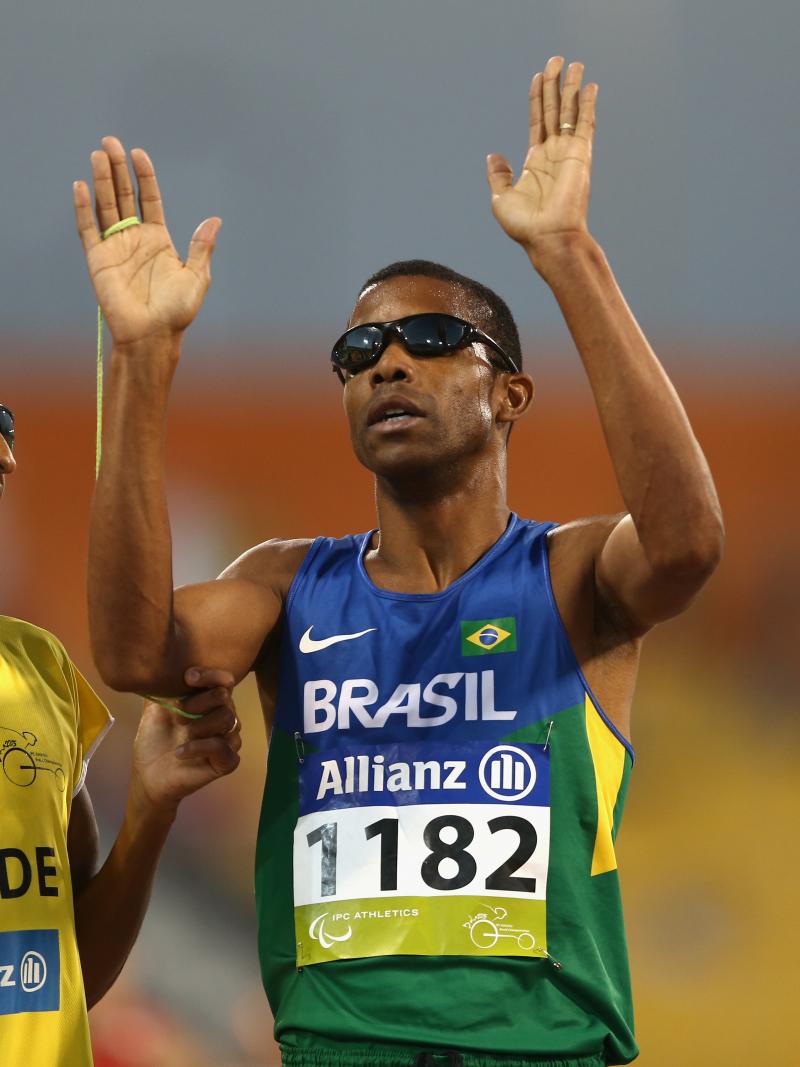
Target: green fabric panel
(494,1007)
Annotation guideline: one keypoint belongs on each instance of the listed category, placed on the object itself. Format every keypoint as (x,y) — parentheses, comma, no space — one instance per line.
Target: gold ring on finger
(567,126)
(235,724)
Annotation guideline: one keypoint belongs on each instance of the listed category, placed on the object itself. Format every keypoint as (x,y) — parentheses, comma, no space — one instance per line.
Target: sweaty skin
(440,476)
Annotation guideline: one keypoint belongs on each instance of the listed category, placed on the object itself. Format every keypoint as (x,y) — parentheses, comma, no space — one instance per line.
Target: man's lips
(393,411)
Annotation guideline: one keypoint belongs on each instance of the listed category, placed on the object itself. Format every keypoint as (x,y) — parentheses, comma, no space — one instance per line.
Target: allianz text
(434,703)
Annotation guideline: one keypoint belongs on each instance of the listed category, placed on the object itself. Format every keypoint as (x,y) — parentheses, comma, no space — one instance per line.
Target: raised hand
(551,197)
(173,756)
(144,288)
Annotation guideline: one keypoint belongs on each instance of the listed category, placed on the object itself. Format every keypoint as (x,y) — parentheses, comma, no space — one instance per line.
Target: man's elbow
(697,555)
(127,673)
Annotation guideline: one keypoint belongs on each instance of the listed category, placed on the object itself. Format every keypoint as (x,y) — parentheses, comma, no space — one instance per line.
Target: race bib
(422,849)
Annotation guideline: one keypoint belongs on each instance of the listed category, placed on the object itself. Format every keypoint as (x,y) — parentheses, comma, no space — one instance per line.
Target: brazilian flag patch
(481,637)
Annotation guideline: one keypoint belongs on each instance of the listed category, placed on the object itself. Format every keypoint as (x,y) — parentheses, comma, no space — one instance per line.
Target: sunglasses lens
(7,426)
(432,335)
(357,347)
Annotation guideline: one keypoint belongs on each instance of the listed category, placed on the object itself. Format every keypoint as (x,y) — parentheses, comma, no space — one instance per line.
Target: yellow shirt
(50,722)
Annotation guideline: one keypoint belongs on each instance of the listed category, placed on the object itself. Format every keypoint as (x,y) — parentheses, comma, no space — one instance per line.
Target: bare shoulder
(575,546)
(273,563)
(573,551)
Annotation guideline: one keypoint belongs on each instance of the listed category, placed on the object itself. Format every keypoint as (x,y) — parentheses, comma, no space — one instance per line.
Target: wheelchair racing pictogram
(21,761)
(485,931)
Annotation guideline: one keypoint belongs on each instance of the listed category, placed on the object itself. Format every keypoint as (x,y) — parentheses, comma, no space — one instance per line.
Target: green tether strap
(123,224)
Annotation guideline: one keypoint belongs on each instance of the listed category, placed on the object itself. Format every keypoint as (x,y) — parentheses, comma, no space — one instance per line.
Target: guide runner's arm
(172,758)
(655,559)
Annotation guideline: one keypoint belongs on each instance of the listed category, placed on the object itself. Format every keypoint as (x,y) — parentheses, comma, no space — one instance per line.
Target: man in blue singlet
(449,694)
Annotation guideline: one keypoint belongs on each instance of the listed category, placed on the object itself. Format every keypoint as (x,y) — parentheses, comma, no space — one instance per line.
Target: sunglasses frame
(8,436)
(395,329)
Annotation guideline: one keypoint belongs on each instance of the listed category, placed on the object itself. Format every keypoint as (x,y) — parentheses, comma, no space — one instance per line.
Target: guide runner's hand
(173,756)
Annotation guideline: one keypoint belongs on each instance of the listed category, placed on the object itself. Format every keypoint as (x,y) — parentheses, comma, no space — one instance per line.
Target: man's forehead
(407,295)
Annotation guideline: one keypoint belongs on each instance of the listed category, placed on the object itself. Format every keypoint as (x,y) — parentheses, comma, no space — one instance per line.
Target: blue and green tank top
(435,864)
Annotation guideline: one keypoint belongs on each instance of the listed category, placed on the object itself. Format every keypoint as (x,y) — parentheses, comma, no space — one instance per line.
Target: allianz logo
(505,773)
(470,695)
(32,973)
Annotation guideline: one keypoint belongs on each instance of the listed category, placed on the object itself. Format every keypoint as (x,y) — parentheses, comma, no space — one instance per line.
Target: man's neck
(430,535)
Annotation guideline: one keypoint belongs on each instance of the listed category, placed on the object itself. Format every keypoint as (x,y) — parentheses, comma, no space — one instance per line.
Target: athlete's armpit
(601,640)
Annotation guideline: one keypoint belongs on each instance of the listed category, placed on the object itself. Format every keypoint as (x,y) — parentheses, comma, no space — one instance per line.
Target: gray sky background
(336,137)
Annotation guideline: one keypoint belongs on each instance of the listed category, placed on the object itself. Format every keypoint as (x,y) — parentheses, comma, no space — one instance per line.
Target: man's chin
(400,463)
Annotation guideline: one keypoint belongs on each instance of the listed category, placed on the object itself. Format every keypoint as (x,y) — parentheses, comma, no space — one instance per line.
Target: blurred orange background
(708,849)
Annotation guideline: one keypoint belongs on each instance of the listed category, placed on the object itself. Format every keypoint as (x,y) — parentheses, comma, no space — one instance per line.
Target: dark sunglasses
(429,334)
(7,425)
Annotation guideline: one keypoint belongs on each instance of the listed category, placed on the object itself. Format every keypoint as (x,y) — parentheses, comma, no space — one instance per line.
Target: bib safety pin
(547,739)
(298,747)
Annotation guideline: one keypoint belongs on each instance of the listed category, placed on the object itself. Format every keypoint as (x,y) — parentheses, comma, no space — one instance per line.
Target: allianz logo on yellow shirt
(29,971)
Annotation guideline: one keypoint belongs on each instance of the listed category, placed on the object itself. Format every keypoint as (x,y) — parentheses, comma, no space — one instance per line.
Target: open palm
(142,285)
(551,196)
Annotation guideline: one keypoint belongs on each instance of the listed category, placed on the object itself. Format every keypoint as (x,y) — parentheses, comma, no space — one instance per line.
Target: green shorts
(387,1057)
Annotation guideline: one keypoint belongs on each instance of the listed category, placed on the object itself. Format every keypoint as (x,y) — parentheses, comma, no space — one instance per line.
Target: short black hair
(488,311)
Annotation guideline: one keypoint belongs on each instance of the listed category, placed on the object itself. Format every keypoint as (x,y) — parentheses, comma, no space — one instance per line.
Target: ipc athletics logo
(507,773)
(318,932)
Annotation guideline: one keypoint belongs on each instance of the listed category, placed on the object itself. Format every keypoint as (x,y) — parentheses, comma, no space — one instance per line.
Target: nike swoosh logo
(308,644)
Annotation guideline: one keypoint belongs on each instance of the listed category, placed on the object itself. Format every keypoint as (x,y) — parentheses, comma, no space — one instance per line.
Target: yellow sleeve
(93,721)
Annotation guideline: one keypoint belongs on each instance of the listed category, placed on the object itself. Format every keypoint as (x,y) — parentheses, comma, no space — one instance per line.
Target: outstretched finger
(84,216)
(551,94)
(536,134)
(499,174)
(150,206)
(586,112)
(201,246)
(121,176)
(105,195)
(569,98)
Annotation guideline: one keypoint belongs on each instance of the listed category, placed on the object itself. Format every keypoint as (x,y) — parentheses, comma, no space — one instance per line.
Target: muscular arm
(143,637)
(110,904)
(658,556)
(172,758)
(655,559)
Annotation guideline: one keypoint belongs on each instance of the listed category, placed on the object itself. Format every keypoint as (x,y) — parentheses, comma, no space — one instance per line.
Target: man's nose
(395,365)
(7,462)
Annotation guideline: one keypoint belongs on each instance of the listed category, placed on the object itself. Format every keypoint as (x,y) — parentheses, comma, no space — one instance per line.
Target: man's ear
(516,397)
